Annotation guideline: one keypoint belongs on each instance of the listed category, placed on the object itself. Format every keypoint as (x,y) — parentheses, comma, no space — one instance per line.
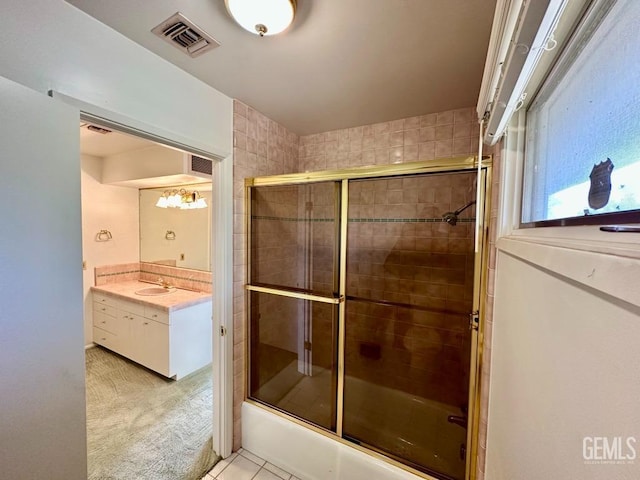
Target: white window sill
(595,261)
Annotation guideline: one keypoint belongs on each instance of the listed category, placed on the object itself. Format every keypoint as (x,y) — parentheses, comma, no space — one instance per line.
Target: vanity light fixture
(262,17)
(181,199)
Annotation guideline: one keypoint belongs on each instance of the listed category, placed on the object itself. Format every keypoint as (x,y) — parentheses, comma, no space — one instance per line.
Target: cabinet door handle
(104,309)
(154,315)
(146,323)
(104,321)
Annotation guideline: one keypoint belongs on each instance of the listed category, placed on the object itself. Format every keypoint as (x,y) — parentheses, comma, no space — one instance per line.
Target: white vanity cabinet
(173,344)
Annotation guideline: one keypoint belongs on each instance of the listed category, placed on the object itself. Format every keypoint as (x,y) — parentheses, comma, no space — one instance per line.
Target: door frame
(477,318)
(221,253)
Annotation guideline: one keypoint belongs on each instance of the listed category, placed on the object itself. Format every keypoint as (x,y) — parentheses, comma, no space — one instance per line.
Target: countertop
(170,302)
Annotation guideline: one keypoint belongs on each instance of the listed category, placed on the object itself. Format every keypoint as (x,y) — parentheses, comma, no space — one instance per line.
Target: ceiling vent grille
(95,128)
(201,165)
(185,35)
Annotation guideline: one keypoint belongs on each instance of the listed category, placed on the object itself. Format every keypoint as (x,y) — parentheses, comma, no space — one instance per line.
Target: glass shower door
(293,284)
(409,294)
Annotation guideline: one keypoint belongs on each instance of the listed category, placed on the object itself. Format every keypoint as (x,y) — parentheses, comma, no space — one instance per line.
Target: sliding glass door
(363,298)
(294,299)
(409,295)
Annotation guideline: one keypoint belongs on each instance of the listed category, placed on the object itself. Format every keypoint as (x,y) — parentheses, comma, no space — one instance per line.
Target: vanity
(169,333)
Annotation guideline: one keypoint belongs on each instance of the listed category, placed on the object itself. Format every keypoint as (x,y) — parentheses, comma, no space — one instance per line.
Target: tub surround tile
(451,133)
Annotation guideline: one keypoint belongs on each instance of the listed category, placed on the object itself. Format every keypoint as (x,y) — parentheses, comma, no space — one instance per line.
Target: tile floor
(244,465)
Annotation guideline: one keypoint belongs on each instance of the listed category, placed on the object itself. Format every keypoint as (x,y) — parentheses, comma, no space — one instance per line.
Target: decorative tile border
(196,280)
(362,220)
(116,273)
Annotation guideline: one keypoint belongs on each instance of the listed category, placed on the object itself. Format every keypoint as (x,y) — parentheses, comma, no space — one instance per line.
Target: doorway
(135,415)
(364,306)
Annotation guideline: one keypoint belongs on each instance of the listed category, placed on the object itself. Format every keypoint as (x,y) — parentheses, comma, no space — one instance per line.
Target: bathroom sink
(155,291)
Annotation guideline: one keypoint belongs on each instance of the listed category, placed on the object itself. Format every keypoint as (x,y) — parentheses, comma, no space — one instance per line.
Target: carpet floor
(141,425)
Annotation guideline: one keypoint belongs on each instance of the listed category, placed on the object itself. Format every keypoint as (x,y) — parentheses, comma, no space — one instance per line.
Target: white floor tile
(266,475)
(221,465)
(239,469)
(278,471)
(250,456)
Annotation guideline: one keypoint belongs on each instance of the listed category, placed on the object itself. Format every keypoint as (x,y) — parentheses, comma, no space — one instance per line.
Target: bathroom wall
(190,247)
(49,403)
(261,147)
(436,135)
(394,257)
(105,207)
(565,360)
(274,247)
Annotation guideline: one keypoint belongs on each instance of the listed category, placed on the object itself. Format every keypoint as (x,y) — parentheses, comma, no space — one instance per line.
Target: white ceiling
(113,143)
(105,145)
(342,63)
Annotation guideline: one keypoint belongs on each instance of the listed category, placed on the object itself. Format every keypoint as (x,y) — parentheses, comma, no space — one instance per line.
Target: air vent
(201,165)
(95,128)
(185,35)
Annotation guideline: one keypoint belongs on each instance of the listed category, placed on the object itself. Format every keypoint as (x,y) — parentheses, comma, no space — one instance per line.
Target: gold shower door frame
(476,321)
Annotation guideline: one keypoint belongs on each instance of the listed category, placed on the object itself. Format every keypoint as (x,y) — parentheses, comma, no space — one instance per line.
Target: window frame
(582,34)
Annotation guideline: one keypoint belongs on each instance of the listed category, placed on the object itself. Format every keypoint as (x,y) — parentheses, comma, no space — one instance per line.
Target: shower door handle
(474,320)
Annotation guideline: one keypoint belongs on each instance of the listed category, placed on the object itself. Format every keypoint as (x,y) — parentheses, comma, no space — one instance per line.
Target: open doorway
(148,376)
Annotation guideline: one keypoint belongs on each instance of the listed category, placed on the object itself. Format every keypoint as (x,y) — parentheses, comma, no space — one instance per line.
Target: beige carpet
(143,426)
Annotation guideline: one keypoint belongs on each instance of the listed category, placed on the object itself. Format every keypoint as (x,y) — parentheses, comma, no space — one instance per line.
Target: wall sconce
(262,17)
(181,199)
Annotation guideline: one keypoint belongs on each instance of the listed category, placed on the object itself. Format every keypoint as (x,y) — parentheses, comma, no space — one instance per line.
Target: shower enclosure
(364,306)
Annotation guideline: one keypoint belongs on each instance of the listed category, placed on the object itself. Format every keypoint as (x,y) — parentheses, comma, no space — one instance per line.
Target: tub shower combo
(364,298)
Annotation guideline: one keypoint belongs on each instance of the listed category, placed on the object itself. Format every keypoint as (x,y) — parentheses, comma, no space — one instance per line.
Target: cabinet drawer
(107,339)
(157,315)
(105,309)
(104,321)
(132,307)
(104,299)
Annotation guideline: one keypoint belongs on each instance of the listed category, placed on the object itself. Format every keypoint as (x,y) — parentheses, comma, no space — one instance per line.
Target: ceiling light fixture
(181,199)
(262,17)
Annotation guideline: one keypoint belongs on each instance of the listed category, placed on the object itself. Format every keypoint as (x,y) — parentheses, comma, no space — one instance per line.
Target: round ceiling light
(262,17)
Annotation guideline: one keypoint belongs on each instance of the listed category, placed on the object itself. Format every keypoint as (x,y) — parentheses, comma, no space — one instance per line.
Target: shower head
(452,217)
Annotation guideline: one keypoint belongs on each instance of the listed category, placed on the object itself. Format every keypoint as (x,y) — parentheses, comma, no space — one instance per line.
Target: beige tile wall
(437,135)
(261,147)
(400,251)
(488,325)
(196,280)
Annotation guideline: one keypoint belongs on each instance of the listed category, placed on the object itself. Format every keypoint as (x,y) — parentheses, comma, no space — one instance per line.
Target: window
(582,159)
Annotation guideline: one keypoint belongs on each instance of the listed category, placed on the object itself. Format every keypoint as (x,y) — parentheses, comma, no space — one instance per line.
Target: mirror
(174,236)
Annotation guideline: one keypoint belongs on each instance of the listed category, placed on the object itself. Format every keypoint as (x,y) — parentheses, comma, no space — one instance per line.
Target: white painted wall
(49,45)
(105,207)
(154,161)
(565,362)
(42,394)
